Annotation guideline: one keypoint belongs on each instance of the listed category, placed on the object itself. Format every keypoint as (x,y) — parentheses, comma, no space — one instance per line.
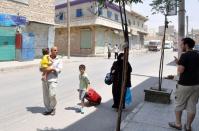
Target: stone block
(154,95)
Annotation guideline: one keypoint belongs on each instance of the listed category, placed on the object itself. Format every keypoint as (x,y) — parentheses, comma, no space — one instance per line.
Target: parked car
(154,45)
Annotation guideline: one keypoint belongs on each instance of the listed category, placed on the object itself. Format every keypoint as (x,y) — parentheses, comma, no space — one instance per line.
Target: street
(21,97)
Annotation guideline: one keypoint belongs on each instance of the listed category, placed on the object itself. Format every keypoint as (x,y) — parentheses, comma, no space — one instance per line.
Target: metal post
(181,24)
(187,33)
(68,27)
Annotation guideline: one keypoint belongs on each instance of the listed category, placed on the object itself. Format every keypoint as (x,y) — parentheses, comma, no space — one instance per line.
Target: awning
(41,22)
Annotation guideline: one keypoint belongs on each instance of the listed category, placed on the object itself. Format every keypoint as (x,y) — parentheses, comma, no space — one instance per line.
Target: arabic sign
(12,20)
(172,8)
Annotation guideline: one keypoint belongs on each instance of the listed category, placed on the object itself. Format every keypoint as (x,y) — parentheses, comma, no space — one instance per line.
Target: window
(100,12)
(61,15)
(138,23)
(133,22)
(79,13)
(116,17)
(129,21)
(142,25)
(109,14)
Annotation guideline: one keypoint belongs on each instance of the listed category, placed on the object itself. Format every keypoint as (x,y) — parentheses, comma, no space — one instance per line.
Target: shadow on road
(35,110)
(172,63)
(104,117)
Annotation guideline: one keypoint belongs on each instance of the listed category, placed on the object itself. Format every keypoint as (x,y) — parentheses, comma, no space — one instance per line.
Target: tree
(124,24)
(163,7)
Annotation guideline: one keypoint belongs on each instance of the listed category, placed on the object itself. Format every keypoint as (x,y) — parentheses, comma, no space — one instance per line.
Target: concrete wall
(135,22)
(85,9)
(100,37)
(41,32)
(35,10)
(62,44)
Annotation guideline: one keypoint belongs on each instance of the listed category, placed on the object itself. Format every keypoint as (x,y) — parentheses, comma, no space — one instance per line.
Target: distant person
(116,72)
(116,50)
(187,89)
(84,85)
(50,84)
(46,63)
(109,50)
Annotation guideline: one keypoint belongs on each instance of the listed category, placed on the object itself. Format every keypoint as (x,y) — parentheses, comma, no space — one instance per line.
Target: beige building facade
(92,27)
(39,16)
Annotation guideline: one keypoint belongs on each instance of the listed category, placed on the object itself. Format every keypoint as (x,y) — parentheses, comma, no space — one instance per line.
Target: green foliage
(102,2)
(160,6)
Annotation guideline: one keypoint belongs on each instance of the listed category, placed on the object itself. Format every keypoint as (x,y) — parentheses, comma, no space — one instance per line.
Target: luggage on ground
(93,97)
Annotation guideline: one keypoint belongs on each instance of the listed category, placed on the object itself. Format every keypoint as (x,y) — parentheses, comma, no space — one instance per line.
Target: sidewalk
(12,65)
(155,117)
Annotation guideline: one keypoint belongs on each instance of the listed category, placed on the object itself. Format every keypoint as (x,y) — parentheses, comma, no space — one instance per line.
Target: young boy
(83,85)
(45,63)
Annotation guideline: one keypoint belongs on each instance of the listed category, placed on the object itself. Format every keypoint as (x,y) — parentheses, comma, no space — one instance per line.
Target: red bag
(93,97)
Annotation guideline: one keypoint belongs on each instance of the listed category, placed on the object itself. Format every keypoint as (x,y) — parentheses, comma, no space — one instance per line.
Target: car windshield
(153,43)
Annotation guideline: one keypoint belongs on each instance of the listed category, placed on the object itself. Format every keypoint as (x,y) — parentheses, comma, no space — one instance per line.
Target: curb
(28,65)
(4,69)
(131,115)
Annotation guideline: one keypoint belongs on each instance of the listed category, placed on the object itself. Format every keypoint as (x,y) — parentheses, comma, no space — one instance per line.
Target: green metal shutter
(85,39)
(7,44)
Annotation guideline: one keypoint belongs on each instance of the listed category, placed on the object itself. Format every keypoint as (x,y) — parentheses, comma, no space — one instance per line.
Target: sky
(192,10)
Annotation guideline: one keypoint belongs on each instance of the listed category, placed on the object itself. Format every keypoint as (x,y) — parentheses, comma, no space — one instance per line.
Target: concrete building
(92,27)
(170,32)
(195,35)
(39,16)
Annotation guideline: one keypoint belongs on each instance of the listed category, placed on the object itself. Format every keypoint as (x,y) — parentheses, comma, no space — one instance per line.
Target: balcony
(98,20)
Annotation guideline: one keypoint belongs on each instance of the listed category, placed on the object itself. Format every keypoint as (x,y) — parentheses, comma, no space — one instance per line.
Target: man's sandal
(185,128)
(173,125)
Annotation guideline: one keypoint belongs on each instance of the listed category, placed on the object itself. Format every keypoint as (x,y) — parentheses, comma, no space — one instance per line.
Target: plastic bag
(128,97)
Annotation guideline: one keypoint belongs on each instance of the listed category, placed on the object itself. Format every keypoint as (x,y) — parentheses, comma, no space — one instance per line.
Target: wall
(41,36)
(35,10)
(62,44)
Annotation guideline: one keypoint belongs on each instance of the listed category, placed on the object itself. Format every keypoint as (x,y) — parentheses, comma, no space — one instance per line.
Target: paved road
(21,95)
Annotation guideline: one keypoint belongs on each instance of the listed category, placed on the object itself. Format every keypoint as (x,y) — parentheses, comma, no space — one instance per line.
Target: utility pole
(187,33)
(181,24)
(68,27)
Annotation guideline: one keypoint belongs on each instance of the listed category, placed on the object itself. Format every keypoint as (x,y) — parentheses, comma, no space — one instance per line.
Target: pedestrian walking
(84,85)
(116,50)
(109,50)
(116,72)
(187,89)
(50,84)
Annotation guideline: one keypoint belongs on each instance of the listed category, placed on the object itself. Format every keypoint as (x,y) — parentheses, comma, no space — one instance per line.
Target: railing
(99,20)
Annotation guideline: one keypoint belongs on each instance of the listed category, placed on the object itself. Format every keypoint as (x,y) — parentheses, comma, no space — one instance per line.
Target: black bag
(108,79)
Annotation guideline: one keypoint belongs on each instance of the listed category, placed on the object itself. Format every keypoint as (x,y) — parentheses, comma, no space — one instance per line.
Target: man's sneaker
(82,110)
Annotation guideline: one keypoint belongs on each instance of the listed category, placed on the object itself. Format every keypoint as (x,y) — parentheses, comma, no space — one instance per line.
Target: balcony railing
(99,20)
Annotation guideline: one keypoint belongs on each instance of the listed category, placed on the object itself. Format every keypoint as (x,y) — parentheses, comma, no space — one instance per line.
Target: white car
(168,44)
